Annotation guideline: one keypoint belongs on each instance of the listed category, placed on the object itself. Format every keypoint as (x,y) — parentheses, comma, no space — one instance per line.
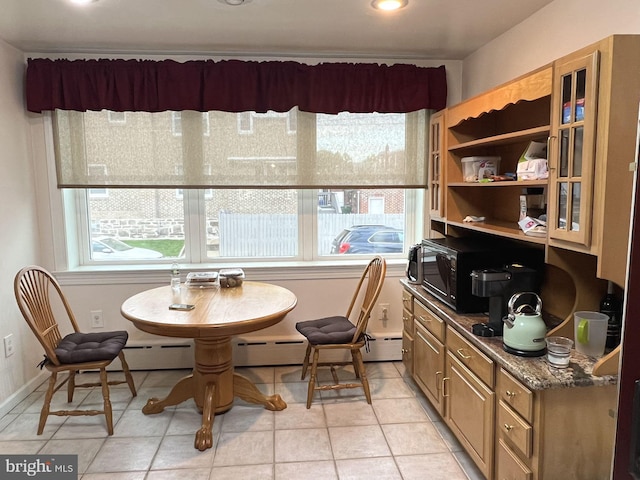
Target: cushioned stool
(338,332)
(33,287)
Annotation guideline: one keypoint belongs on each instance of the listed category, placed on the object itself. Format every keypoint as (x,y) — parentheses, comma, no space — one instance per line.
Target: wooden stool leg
(305,364)
(357,355)
(71,385)
(312,379)
(108,414)
(127,374)
(44,413)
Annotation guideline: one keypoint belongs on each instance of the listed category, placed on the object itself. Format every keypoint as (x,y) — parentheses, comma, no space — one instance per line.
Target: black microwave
(447,264)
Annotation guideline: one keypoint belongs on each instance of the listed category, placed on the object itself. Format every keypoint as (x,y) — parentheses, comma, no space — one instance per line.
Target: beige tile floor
(398,436)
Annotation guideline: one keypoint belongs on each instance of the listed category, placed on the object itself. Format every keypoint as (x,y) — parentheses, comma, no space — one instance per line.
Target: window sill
(159,274)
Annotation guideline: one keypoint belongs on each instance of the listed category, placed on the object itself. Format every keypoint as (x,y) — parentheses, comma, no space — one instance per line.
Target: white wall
(18,222)
(560,28)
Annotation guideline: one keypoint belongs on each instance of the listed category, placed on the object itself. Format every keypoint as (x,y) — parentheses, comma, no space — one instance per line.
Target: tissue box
(476,168)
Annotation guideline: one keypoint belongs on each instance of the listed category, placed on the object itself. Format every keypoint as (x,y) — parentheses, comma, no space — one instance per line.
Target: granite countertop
(534,372)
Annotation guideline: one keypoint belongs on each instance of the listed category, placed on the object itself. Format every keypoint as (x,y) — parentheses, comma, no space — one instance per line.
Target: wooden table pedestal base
(213,385)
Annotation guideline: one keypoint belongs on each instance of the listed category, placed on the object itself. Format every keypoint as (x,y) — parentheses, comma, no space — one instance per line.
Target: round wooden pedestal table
(219,314)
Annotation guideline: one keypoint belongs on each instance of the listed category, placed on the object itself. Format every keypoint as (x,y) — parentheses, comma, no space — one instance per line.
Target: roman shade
(236,124)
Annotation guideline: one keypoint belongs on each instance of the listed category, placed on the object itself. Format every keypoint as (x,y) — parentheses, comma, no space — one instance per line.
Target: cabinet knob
(510,394)
(425,319)
(508,427)
(405,350)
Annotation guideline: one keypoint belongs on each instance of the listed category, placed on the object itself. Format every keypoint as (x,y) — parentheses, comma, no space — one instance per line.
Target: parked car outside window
(369,239)
(109,248)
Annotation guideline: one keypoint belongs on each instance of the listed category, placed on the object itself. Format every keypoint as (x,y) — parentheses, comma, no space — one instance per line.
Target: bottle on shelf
(611,306)
(175,277)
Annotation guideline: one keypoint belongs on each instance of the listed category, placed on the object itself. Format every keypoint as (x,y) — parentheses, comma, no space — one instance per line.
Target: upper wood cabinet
(594,124)
(437,154)
(572,149)
(585,106)
(502,123)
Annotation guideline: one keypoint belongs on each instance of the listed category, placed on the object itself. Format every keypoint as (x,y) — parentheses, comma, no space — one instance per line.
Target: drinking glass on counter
(559,351)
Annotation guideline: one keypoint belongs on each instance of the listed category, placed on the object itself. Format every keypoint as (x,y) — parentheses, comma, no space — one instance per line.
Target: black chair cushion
(91,347)
(327,331)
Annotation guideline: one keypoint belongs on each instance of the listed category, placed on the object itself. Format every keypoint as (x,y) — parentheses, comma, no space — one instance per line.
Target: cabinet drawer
(429,320)
(515,429)
(407,321)
(516,395)
(471,357)
(509,466)
(407,301)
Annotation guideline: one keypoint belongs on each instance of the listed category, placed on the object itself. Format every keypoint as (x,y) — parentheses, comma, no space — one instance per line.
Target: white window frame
(70,231)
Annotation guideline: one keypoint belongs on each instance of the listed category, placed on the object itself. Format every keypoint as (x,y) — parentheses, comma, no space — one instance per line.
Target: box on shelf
(532,164)
(532,205)
(476,168)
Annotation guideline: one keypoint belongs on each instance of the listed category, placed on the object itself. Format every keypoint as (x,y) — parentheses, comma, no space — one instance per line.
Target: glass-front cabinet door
(437,149)
(572,150)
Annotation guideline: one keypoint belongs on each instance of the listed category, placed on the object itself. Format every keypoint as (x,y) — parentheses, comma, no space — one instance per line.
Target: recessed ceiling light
(83,2)
(234,2)
(389,5)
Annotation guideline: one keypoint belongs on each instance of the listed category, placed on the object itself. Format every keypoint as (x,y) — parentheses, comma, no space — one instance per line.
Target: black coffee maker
(500,285)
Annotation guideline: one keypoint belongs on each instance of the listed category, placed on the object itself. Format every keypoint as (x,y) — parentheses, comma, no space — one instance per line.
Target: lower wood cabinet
(407,332)
(470,407)
(428,370)
(510,431)
(554,433)
(407,352)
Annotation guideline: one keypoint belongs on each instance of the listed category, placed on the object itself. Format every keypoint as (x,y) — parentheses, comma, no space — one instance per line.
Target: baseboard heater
(257,351)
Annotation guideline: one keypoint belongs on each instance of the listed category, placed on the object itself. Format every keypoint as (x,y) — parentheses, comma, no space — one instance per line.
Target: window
(227,225)
(186,215)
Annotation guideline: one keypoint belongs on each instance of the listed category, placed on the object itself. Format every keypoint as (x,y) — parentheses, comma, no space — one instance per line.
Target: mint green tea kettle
(525,330)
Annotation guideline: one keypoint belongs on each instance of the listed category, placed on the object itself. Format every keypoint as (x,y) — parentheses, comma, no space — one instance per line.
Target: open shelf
(499,228)
(529,134)
(505,184)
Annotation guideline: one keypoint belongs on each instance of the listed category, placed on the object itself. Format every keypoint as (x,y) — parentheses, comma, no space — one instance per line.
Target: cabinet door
(469,406)
(407,352)
(429,365)
(572,150)
(435,171)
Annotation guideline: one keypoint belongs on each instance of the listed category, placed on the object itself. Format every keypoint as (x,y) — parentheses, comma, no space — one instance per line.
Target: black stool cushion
(326,331)
(91,347)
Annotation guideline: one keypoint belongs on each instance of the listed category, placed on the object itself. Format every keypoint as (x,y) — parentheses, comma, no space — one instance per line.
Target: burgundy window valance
(232,86)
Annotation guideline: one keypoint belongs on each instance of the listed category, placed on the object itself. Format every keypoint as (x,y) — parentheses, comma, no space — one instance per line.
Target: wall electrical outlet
(96,319)
(383,312)
(9,347)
